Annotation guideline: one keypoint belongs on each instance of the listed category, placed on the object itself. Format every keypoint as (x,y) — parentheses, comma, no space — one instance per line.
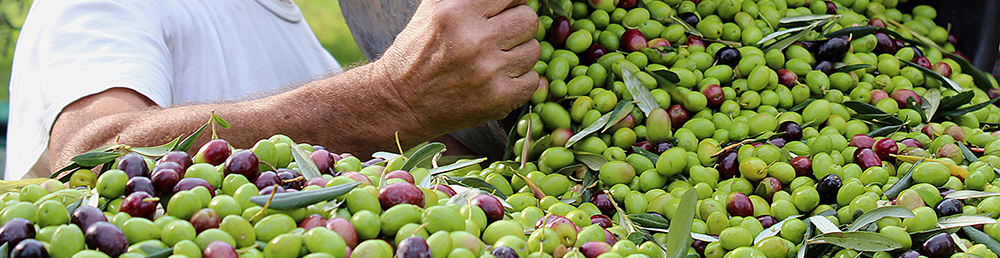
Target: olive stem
(266,204)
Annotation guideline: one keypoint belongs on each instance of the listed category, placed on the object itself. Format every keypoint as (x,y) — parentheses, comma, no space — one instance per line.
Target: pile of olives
(777,146)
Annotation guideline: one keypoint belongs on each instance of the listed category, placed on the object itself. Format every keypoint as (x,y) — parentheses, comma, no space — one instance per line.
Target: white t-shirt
(171,51)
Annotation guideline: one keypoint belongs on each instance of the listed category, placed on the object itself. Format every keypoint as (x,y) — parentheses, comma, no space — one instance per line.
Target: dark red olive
(729,165)
(886,45)
(828,188)
(714,94)
(728,56)
(830,7)
(876,22)
(787,78)
(767,221)
(938,246)
(910,142)
(678,116)
(801,164)
(862,141)
(633,40)
(689,18)
(833,50)
(825,67)
(922,61)
(600,199)
(661,147)
(947,207)
(593,53)
(792,130)
(884,147)
(866,158)
(560,30)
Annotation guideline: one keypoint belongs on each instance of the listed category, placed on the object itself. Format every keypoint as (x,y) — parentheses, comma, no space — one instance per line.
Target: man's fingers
(516,91)
(513,26)
(492,7)
(521,58)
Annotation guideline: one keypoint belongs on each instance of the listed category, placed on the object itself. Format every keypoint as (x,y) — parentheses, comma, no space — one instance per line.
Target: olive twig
(266,204)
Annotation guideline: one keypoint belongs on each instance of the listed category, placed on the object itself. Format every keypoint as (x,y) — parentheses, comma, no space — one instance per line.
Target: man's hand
(457,64)
(460,63)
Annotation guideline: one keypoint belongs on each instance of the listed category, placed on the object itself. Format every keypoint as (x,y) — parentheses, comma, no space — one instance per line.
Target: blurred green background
(323,16)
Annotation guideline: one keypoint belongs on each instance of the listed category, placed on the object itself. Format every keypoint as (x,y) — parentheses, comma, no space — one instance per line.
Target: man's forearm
(352,112)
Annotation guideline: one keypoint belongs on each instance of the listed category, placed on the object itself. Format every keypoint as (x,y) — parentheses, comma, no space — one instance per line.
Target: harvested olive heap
(719,128)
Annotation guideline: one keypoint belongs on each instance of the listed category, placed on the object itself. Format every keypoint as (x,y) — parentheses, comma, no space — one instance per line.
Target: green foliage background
(324,17)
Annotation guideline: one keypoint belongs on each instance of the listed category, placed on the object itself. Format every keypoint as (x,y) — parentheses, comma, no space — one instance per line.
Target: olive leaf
(779,33)
(912,104)
(979,77)
(333,205)
(724,42)
(664,77)
(476,183)
(931,73)
(679,238)
(554,9)
(384,155)
(454,166)
(423,154)
(970,194)
(773,230)
(295,200)
(306,165)
(893,211)
(646,102)
(593,161)
(573,170)
(851,68)
(186,144)
(787,41)
(687,27)
(621,111)
(590,129)
(645,153)
(896,35)
(862,241)
(963,220)
(824,225)
(965,110)
(804,245)
(955,101)
(93,159)
(649,220)
(930,198)
(154,251)
(867,109)
(157,151)
(969,155)
(933,100)
(70,166)
(801,20)
(219,121)
(589,184)
(854,32)
(903,183)
(979,237)
(885,130)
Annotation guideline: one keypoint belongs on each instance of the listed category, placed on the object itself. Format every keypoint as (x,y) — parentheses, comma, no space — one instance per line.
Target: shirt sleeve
(69,49)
